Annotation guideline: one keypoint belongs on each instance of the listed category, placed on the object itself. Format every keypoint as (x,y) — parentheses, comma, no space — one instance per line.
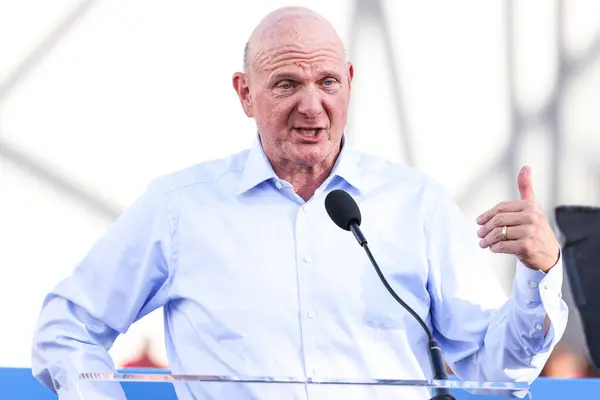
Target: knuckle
(488,226)
(497,220)
(527,245)
(485,232)
(536,207)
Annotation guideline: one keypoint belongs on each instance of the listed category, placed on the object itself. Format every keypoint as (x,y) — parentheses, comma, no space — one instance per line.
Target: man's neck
(305,181)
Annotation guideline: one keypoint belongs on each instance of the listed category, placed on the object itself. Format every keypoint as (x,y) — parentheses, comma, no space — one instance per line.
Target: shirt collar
(258,169)
(348,167)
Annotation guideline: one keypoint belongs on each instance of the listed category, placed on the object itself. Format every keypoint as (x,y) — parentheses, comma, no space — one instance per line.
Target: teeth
(308,132)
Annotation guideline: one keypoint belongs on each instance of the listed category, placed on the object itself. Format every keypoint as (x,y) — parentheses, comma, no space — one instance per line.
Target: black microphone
(344,211)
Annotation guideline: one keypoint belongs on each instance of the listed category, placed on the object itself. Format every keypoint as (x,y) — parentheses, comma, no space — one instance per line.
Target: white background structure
(99,97)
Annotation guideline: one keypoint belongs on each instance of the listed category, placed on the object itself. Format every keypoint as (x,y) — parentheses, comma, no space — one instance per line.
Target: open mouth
(309,133)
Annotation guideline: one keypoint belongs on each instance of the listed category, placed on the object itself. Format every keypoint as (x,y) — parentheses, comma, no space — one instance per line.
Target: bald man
(256,280)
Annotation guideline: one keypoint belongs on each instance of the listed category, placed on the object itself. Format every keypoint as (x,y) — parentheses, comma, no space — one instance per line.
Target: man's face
(298,89)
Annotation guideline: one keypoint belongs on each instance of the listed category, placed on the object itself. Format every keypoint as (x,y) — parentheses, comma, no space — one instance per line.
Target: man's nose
(310,103)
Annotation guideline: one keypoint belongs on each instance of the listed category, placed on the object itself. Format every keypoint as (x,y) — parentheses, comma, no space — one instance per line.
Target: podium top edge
(167,377)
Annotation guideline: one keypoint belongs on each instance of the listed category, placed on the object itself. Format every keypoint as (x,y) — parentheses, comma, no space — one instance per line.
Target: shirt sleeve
(124,276)
(485,335)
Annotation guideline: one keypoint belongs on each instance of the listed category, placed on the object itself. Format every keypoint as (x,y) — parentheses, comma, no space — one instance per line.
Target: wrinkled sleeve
(487,336)
(124,276)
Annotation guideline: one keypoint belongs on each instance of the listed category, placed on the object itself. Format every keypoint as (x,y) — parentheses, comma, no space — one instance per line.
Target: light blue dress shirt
(255,281)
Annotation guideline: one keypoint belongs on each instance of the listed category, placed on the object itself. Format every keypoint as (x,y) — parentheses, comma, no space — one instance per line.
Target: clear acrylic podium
(504,389)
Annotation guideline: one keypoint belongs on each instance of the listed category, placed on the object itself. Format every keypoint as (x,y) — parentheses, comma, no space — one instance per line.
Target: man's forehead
(269,57)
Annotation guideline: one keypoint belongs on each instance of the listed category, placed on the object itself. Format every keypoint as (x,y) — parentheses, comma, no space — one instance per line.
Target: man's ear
(350,73)
(242,88)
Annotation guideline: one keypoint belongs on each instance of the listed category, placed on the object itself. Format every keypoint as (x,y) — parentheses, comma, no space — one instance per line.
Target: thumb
(524,183)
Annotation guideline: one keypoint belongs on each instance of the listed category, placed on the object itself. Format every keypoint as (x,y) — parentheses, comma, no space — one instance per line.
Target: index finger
(502,207)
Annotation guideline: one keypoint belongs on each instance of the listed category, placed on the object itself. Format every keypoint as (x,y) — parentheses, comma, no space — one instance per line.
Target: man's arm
(485,335)
(125,276)
(523,332)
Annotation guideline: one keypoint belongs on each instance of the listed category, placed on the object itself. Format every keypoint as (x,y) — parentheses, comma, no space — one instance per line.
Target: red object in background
(143,360)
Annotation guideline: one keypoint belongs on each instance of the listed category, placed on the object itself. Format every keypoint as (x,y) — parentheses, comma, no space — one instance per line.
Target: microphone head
(342,209)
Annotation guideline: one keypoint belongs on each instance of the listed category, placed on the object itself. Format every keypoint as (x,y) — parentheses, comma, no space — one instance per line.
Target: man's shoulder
(391,172)
(202,173)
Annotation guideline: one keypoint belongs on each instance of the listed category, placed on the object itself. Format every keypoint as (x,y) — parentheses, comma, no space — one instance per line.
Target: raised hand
(520,227)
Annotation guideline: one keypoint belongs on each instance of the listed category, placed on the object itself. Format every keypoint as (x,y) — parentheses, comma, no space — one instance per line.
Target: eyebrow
(282,76)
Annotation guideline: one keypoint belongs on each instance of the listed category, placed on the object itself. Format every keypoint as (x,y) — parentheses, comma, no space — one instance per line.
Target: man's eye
(286,86)
(328,82)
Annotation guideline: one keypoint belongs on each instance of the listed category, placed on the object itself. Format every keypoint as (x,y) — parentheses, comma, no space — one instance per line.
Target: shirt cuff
(539,286)
(538,294)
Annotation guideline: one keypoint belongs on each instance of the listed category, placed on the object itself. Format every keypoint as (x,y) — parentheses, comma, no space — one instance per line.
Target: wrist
(556,260)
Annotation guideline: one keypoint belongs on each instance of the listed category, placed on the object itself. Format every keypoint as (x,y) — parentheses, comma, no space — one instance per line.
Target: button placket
(303,260)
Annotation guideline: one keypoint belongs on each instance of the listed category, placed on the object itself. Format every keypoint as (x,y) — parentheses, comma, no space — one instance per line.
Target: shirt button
(538,327)
(315,371)
(533,285)
(307,259)
(305,208)
(312,315)
(278,184)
